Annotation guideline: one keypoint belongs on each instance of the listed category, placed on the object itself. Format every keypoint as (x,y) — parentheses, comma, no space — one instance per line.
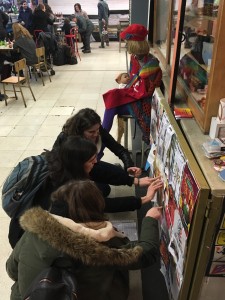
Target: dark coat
(109,142)
(27,48)
(102,267)
(84,25)
(66,28)
(103,11)
(26,17)
(4,19)
(41,21)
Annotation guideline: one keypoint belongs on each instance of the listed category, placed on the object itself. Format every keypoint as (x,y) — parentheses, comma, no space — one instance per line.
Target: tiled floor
(27,131)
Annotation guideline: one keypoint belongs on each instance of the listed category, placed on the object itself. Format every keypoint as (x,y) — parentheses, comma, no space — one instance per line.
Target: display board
(181,200)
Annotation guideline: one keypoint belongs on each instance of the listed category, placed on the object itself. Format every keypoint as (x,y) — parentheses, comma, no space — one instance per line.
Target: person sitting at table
(23,41)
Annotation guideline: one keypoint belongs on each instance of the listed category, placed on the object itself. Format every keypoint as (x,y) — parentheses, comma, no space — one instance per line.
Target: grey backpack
(22,184)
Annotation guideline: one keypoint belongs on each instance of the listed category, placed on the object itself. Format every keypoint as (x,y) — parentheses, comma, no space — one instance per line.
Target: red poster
(188,196)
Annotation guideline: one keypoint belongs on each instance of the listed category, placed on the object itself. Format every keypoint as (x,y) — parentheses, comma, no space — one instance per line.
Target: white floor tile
(67,100)
(55,120)
(59,111)
(31,120)
(41,142)
(9,120)
(46,130)
(5,130)
(19,130)
(44,101)
(14,143)
(8,158)
(39,111)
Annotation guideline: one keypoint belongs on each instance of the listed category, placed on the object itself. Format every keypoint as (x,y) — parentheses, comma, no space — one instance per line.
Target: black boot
(102,44)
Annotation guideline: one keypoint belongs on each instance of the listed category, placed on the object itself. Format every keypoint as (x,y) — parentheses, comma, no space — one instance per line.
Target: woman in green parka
(76,228)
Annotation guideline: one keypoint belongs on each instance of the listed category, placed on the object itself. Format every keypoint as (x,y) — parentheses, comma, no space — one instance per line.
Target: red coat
(149,77)
(117,97)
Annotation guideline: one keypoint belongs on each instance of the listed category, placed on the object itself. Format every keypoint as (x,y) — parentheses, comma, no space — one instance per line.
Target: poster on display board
(178,198)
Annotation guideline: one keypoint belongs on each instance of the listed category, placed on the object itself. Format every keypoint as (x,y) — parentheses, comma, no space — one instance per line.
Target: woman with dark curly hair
(87,123)
(75,160)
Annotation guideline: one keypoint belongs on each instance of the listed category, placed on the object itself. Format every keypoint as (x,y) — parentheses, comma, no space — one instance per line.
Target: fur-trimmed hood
(76,240)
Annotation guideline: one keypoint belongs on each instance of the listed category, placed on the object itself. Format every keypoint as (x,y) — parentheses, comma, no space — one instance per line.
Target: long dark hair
(78,5)
(48,9)
(39,7)
(81,121)
(67,161)
(83,200)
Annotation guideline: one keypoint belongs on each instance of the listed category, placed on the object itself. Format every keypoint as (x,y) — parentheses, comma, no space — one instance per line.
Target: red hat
(134,32)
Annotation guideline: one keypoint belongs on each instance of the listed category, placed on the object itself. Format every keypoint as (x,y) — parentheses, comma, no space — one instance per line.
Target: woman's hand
(155,212)
(152,189)
(145,181)
(134,171)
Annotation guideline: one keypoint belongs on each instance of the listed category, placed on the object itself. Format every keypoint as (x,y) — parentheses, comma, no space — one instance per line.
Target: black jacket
(104,172)
(116,148)
(110,143)
(41,21)
(4,19)
(26,17)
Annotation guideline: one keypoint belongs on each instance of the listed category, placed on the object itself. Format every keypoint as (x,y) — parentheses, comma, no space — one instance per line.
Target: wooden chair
(41,66)
(20,81)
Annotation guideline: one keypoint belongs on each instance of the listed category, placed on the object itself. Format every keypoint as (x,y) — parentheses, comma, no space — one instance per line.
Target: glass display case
(161,37)
(201,60)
